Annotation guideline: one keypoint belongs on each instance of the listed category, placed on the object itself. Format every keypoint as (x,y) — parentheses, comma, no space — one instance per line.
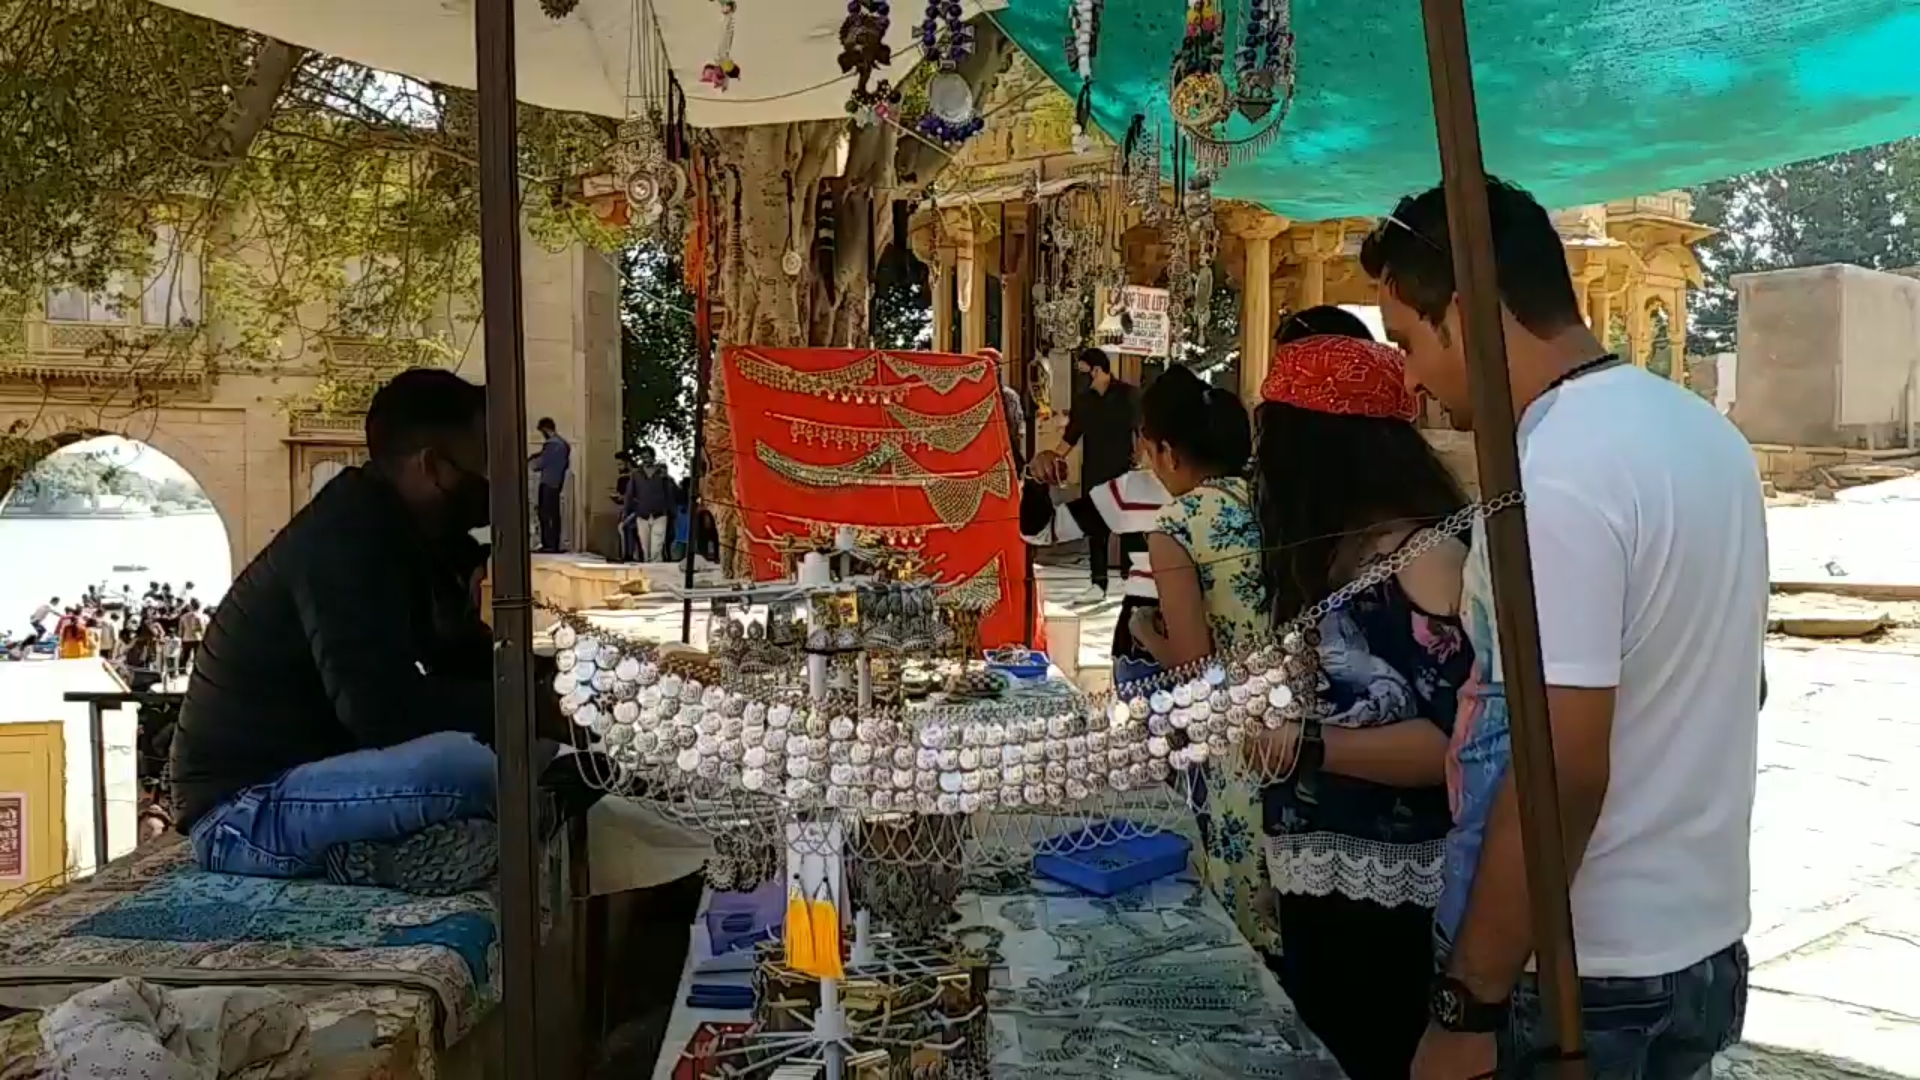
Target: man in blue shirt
(552,459)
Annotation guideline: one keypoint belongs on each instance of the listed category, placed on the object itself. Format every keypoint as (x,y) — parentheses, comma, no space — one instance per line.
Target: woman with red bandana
(1355,833)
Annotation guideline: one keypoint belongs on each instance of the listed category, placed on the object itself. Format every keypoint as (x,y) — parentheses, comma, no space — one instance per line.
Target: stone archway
(28,435)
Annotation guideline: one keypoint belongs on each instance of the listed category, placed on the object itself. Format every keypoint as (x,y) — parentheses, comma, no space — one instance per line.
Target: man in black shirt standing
(1102,421)
(343,689)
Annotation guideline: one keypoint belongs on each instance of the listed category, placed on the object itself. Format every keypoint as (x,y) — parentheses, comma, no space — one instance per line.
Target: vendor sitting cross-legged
(338,712)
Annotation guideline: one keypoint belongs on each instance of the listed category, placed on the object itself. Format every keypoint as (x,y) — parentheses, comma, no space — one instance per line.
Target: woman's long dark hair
(1320,477)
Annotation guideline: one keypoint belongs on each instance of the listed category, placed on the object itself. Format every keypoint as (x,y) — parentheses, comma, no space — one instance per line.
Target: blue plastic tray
(1037,669)
(1104,867)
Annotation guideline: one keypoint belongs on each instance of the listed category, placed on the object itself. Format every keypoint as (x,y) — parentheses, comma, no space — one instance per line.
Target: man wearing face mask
(343,689)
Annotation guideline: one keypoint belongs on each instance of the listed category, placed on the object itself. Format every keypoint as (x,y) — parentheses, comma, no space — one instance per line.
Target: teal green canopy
(1580,100)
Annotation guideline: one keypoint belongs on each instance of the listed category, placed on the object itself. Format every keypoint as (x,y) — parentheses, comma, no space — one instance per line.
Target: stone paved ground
(1836,864)
(1836,841)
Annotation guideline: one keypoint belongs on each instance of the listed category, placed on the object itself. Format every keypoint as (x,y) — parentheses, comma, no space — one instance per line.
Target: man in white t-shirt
(1648,536)
(40,616)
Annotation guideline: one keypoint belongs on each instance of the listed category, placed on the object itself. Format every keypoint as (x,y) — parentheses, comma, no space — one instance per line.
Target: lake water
(46,557)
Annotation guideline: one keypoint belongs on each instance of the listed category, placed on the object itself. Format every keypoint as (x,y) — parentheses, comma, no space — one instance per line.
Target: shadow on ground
(1750,1061)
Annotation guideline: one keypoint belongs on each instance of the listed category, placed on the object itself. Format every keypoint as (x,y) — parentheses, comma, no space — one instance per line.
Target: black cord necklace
(1598,363)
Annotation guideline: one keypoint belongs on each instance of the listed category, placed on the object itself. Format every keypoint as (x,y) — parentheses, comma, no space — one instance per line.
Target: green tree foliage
(1861,207)
(658,362)
(80,474)
(318,196)
(902,301)
(1212,347)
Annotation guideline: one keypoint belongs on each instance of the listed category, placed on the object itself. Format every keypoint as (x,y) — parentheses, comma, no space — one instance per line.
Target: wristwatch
(1308,755)
(1454,1008)
(1312,752)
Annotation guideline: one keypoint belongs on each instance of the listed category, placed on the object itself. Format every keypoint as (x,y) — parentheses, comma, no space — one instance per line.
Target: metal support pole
(1476,280)
(703,344)
(1030,416)
(97,761)
(512,573)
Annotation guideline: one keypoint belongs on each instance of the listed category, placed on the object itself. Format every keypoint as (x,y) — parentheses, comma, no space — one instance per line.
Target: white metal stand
(830,1034)
(830,1020)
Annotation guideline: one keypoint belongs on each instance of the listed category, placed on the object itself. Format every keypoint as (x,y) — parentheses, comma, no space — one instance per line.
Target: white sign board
(1148,327)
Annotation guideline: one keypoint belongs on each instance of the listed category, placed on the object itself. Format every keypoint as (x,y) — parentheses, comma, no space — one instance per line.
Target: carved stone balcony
(107,354)
(1666,204)
(378,353)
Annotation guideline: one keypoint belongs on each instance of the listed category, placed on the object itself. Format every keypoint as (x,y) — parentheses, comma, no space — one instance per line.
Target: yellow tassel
(799,935)
(813,938)
(826,940)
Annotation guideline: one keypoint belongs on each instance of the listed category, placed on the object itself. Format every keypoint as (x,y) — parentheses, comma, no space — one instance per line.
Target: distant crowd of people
(147,637)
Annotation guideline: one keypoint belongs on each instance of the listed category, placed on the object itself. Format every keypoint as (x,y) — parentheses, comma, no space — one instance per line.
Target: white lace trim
(1324,863)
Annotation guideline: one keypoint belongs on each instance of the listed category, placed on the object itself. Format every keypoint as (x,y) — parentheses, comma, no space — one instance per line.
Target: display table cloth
(1153,983)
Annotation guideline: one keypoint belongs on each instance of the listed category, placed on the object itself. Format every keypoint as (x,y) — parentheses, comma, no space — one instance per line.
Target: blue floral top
(1386,661)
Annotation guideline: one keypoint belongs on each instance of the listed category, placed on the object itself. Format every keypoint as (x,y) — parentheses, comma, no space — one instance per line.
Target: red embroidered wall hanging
(911,445)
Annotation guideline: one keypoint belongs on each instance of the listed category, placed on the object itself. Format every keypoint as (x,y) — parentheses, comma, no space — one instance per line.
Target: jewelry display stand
(801,746)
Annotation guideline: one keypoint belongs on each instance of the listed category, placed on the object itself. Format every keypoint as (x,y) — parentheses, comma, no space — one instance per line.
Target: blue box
(739,920)
(1036,668)
(1111,857)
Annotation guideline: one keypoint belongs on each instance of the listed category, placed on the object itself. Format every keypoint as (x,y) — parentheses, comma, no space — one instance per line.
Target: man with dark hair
(1102,421)
(649,505)
(1649,546)
(552,461)
(343,689)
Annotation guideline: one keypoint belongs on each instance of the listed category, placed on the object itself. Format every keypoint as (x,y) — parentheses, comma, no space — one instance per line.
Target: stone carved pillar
(1639,327)
(1256,229)
(1256,301)
(1677,335)
(973,300)
(1313,281)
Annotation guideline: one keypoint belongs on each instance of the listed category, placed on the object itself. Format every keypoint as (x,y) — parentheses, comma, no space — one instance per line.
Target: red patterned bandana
(1342,375)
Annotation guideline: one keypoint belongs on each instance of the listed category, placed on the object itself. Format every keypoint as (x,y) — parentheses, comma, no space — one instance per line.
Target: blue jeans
(283,829)
(1667,1027)
(1128,670)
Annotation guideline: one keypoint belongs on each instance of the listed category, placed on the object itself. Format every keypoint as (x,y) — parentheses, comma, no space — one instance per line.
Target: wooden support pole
(1476,279)
(512,573)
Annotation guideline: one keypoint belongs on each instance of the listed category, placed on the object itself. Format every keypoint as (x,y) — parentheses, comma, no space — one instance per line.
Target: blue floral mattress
(154,914)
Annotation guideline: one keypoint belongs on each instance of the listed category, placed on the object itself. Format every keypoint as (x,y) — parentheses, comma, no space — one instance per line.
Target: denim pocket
(221,844)
(1627,1005)
(1622,1018)
(227,851)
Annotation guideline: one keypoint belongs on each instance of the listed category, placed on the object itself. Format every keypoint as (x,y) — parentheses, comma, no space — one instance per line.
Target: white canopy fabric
(787,50)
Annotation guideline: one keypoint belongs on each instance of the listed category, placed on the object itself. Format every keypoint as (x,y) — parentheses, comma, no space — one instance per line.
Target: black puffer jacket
(352,630)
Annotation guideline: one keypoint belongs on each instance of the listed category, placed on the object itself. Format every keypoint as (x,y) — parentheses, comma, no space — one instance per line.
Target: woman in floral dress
(1205,557)
(1355,833)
